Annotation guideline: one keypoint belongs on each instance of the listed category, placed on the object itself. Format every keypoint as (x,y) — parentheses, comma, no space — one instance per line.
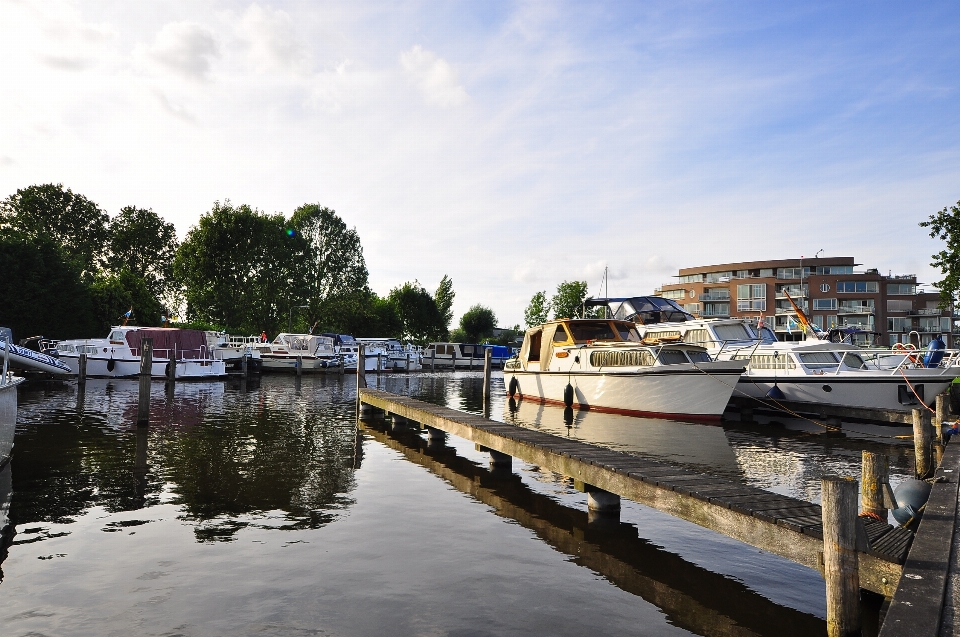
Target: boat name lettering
(622,358)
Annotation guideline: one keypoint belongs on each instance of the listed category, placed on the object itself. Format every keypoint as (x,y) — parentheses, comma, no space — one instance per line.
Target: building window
(766,272)
(755,291)
(818,320)
(835,269)
(857,305)
(715,294)
(691,278)
(931,324)
(794,290)
(719,277)
(899,306)
(901,288)
(790,273)
(743,274)
(716,309)
(693,308)
(824,304)
(898,324)
(754,305)
(673,294)
(857,287)
(824,287)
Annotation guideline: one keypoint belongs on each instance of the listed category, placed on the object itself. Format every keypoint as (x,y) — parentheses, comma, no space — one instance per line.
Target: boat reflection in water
(703,447)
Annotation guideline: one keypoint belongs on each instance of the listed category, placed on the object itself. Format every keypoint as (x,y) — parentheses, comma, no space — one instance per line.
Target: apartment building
(832,291)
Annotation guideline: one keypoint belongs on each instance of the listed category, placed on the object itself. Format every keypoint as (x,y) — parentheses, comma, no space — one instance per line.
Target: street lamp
(290,317)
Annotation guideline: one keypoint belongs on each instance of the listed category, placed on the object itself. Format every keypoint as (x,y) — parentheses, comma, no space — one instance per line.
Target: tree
(945,225)
(115,293)
(568,301)
(334,264)
(242,269)
(538,311)
(443,298)
(72,221)
(143,244)
(477,323)
(419,316)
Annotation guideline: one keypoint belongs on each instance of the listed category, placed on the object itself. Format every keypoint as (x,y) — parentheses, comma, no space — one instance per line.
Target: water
(264,510)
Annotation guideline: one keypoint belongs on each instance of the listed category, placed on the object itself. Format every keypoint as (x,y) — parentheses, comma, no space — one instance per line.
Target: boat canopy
(187,343)
(646,310)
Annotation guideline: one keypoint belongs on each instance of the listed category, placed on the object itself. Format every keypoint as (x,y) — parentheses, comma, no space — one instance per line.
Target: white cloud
(187,48)
(271,40)
(434,76)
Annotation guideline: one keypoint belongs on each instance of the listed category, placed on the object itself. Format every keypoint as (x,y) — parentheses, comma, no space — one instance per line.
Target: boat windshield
(583,331)
(733,332)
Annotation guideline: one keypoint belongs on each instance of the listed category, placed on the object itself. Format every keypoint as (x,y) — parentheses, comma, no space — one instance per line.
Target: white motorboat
(27,359)
(8,402)
(813,371)
(118,355)
(233,349)
(312,353)
(601,364)
(465,355)
(388,354)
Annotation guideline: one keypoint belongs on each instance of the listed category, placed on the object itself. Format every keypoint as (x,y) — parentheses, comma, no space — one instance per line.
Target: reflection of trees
(249,459)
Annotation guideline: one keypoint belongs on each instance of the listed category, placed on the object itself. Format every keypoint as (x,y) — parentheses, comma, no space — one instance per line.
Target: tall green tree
(568,301)
(945,226)
(71,220)
(419,315)
(143,244)
(538,310)
(334,264)
(477,323)
(242,269)
(443,298)
(112,294)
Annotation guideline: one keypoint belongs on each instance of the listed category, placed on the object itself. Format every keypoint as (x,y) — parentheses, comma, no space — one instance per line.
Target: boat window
(854,361)
(672,357)
(818,360)
(594,331)
(534,355)
(560,336)
(769,361)
(669,335)
(698,337)
(767,335)
(628,333)
(699,357)
(622,358)
(732,332)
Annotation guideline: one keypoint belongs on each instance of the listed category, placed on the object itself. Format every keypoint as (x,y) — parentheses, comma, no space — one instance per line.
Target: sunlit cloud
(186,48)
(435,77)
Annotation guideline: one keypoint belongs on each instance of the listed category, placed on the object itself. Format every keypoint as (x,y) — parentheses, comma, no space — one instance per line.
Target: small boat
(312,353)
(233,349)
(27,359)
(388,354)
(466,355)
(8,401)
(118,355)
(601,364)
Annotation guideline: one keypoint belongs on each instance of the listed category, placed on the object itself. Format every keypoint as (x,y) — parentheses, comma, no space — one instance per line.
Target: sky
(509,145)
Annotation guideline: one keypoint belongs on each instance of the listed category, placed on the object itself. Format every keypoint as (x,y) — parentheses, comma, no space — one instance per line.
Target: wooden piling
(941,416)
(82,368)
(361,369)
(299,365)
(243,365)
(407,366)
(171,369)
(840,560)
(921,443)
(875,473)
(487,356)
(433,359)
(146,367)
(470,363)
(453,360)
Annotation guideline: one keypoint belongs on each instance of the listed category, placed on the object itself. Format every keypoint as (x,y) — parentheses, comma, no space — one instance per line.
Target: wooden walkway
(781,525)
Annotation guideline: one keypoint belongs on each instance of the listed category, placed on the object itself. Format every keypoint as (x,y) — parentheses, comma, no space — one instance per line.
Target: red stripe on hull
(631,412)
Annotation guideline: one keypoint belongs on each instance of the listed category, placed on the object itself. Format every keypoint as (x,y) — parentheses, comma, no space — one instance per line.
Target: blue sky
(510,145)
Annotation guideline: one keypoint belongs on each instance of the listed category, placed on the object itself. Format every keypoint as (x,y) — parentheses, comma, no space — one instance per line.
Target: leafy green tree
(335,264)
(42,290)
(443,298)
(142,243)
(478,322)
(568,301)
(538,310)
(945,225)
(241,268)
(507,336)
(115,293)
(358,312)
(419,316)
(71,220)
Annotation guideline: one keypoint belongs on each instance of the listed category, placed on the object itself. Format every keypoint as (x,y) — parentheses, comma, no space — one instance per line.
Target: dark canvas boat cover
(186,343)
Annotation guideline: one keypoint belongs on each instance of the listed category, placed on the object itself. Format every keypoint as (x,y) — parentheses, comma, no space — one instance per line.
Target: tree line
(72,271)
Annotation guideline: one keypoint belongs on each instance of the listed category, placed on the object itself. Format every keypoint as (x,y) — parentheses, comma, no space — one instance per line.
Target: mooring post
(82,369)
(470,363)
(841,568)
(171,369)
(299,364)
(874,474)
(407,367)
(453,359)
(342,362)
(941,412)
(433,359)
(921,443)
(243,365)
(146,368)
(487,363)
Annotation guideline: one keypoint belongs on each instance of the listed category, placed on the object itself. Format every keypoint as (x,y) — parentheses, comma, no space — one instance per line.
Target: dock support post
(171,369)
(243,365)
(146,368)
(470,364)
(487,356)
(921,443)
(941,412)
(875,474)
(82,369)
(299,364)
(601,501)
(453,360)
(433,359)
(407,364)
(840,560)
(398,422)
(435,434)
(498,460)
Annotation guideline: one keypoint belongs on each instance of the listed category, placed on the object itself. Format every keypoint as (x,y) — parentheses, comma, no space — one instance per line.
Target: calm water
(265,510)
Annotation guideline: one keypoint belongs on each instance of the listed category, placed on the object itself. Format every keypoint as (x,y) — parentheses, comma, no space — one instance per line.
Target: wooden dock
(781,525)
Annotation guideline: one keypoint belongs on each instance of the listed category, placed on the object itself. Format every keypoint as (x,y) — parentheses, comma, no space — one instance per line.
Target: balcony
(857,309)
(924,311)
(714,297)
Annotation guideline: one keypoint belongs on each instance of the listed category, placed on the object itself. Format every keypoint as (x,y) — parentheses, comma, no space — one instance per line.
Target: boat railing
(203,353)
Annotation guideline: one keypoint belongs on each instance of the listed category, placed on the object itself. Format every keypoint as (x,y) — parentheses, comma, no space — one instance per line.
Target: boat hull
(853,389)
(8,417)
(106,367)
(669,391)
(309,364)
(23,358)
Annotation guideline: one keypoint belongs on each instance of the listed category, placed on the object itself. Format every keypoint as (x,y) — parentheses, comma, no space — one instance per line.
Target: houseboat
(602,364)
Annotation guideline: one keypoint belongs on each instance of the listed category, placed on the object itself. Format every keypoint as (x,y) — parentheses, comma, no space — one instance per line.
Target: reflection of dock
(693,598)
(778,524)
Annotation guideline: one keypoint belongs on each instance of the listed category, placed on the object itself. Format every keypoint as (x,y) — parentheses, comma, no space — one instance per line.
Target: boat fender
(934,353)
(514,387)
(111,364)
(775,393)
(911,497)
(568,395)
